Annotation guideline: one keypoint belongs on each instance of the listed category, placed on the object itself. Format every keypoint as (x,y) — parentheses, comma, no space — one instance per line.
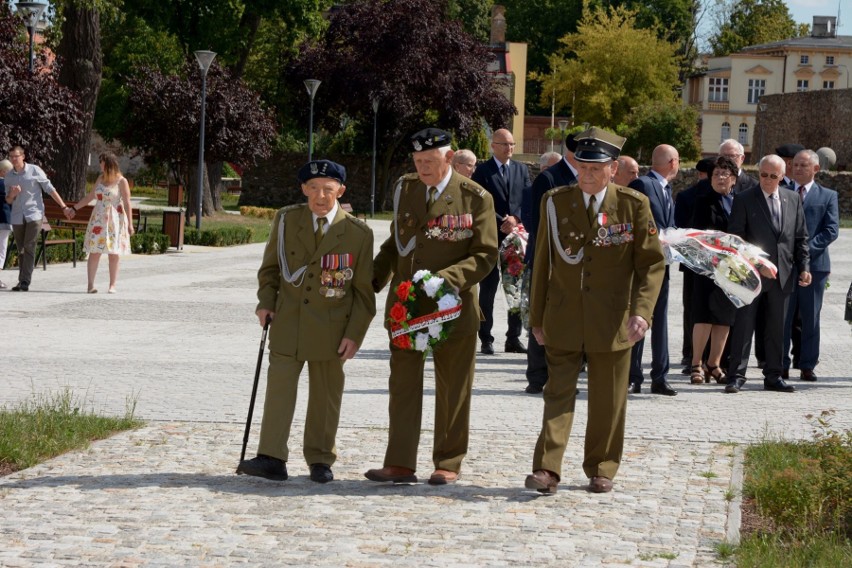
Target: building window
(726,131)
(804,60)
(718,90)
(802,85)
(742,135)
(756,88)
(828,84)
(829,60)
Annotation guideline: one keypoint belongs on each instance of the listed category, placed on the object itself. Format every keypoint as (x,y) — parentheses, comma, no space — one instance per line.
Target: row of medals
(333,282)
(614,235)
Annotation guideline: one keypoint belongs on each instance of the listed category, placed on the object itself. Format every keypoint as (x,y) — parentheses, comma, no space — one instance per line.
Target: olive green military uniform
(462,259)
(586,284)
(310,322)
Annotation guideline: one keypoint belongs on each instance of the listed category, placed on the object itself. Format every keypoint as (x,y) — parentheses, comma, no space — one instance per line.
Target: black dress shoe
(778,385)
(533,389)
(264,466)
(514,345)
(487,348)
(542,481)
(634,388)
(735,385)
(662,387)
(807,375)
(21,287)
(321,473)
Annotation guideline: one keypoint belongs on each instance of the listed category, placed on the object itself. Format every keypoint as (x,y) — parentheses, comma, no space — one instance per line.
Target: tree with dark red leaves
(164,122)
(424,69)
(35,111)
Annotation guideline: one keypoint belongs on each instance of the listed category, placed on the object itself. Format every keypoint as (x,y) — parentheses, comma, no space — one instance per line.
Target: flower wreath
(412,331)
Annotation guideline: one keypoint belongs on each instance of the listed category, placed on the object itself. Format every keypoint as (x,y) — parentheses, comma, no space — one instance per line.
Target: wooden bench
(53,213)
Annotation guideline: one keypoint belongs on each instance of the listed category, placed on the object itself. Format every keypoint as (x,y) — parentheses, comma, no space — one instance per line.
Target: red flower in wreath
(120,209)
(402,341)
(403,291)
(398,313)
(97,229)
(100,197)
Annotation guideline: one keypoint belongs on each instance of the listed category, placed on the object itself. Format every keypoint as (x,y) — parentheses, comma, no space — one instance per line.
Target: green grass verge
(803,495)
(52,424)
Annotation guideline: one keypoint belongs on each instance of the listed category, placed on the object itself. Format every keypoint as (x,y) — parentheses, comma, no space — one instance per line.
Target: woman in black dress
(712,312)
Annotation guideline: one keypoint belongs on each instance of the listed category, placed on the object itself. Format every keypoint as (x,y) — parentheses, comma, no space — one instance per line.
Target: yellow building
(727,94)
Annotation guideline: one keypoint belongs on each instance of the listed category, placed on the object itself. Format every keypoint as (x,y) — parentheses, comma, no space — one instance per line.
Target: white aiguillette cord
(403,251)
(554,233)
(282,259)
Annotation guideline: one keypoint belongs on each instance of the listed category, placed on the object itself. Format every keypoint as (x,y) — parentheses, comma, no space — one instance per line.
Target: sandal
(696,376)
(714,373)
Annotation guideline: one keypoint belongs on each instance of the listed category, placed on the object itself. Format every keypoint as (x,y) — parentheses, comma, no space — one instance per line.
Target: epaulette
(292,207)
(638,195)
(560,189)
(360,223)
(472,187)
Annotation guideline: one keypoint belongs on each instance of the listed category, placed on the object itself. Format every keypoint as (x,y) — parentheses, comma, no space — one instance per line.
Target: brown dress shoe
(542,481)
(393,473)
(600,484)
(443,477)
(808,375)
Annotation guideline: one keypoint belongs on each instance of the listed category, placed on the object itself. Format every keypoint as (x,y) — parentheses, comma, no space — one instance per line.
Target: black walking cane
(254,387)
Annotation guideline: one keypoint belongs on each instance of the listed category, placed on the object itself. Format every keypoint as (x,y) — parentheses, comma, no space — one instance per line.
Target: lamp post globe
(31,12)
(311,85)
(205,59)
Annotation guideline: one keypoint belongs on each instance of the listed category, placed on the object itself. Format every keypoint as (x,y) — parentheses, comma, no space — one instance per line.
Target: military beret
(706,165)
(430,138)
(789,150)
(597,145)
(571,142)
(322,169)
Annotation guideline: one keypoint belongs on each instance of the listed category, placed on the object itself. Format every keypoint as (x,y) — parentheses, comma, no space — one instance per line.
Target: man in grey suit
(823,221)
(506,180)
(772,218)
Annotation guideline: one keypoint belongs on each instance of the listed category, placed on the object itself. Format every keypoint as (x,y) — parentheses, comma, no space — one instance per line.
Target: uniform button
(308,288)
(420,245)
(587,274)
(306,301)
(588,259)
(417,261)
(586,288)
(311,275)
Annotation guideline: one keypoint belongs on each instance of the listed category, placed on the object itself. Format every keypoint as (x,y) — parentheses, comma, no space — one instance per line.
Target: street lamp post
(761,107)
(311,85)
(375,102)
(205,58)
(31,11)
(563,124)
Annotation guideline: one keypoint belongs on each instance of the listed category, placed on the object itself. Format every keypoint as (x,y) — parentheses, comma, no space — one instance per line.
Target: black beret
(322,169)
(706,165)
(597,145)
(571,142)
(789,150)
(430,138)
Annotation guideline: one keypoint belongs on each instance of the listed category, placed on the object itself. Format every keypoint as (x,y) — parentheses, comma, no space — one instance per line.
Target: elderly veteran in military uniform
(598,269)
(436,196)
(315,284)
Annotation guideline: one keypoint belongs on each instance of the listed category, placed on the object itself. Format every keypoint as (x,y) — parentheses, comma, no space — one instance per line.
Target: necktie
(321,221)
(590,211)
(775,208)
(433,195)
(801,190)
(504,170)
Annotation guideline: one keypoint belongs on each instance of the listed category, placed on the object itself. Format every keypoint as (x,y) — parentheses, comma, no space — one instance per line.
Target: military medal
(602,232)
(347,274)
(323,290)
(602,218)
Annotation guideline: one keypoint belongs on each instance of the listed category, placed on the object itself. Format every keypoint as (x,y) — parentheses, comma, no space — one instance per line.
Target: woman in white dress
(110,226)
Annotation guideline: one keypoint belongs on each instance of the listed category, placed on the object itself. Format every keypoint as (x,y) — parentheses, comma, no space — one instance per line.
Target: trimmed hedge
(259,212)
(221,237)
(140,243)
(149,243)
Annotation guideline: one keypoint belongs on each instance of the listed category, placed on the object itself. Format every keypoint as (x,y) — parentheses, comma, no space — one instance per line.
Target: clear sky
(803,11)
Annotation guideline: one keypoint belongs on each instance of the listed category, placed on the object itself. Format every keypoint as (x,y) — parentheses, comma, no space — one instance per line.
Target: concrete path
(180,341)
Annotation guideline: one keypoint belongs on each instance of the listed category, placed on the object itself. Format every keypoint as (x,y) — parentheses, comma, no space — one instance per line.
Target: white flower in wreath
(447,302)
(419,275)
(435,329)
(432,286)
(421,341)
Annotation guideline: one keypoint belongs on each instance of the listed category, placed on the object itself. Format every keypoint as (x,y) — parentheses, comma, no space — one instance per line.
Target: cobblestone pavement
(180,342)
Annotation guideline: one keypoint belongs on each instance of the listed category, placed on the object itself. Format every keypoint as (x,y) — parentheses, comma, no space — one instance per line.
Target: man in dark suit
(507,181)
(563,173)
(787,153)
(823,221)
(665,162)
(771,218)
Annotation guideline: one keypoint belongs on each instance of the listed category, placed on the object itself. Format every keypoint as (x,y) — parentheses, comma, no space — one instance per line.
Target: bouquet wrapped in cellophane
(728,260)
(512,251)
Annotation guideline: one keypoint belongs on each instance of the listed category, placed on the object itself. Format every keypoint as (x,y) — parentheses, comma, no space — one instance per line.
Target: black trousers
(487,292)
(772,303)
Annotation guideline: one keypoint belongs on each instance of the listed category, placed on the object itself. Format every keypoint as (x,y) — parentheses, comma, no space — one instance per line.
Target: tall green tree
(662,122)
(742,23)
(437,75)
(609,67)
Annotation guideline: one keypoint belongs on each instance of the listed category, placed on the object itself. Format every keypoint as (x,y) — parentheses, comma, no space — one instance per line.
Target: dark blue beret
(706,165)
(789,150)
(322,169)
(571,142)
(430,138)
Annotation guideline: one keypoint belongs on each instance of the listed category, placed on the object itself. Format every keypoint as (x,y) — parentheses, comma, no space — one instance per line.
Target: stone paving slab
(180,342)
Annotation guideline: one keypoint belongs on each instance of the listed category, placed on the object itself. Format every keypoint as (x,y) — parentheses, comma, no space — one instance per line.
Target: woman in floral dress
(110,226)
